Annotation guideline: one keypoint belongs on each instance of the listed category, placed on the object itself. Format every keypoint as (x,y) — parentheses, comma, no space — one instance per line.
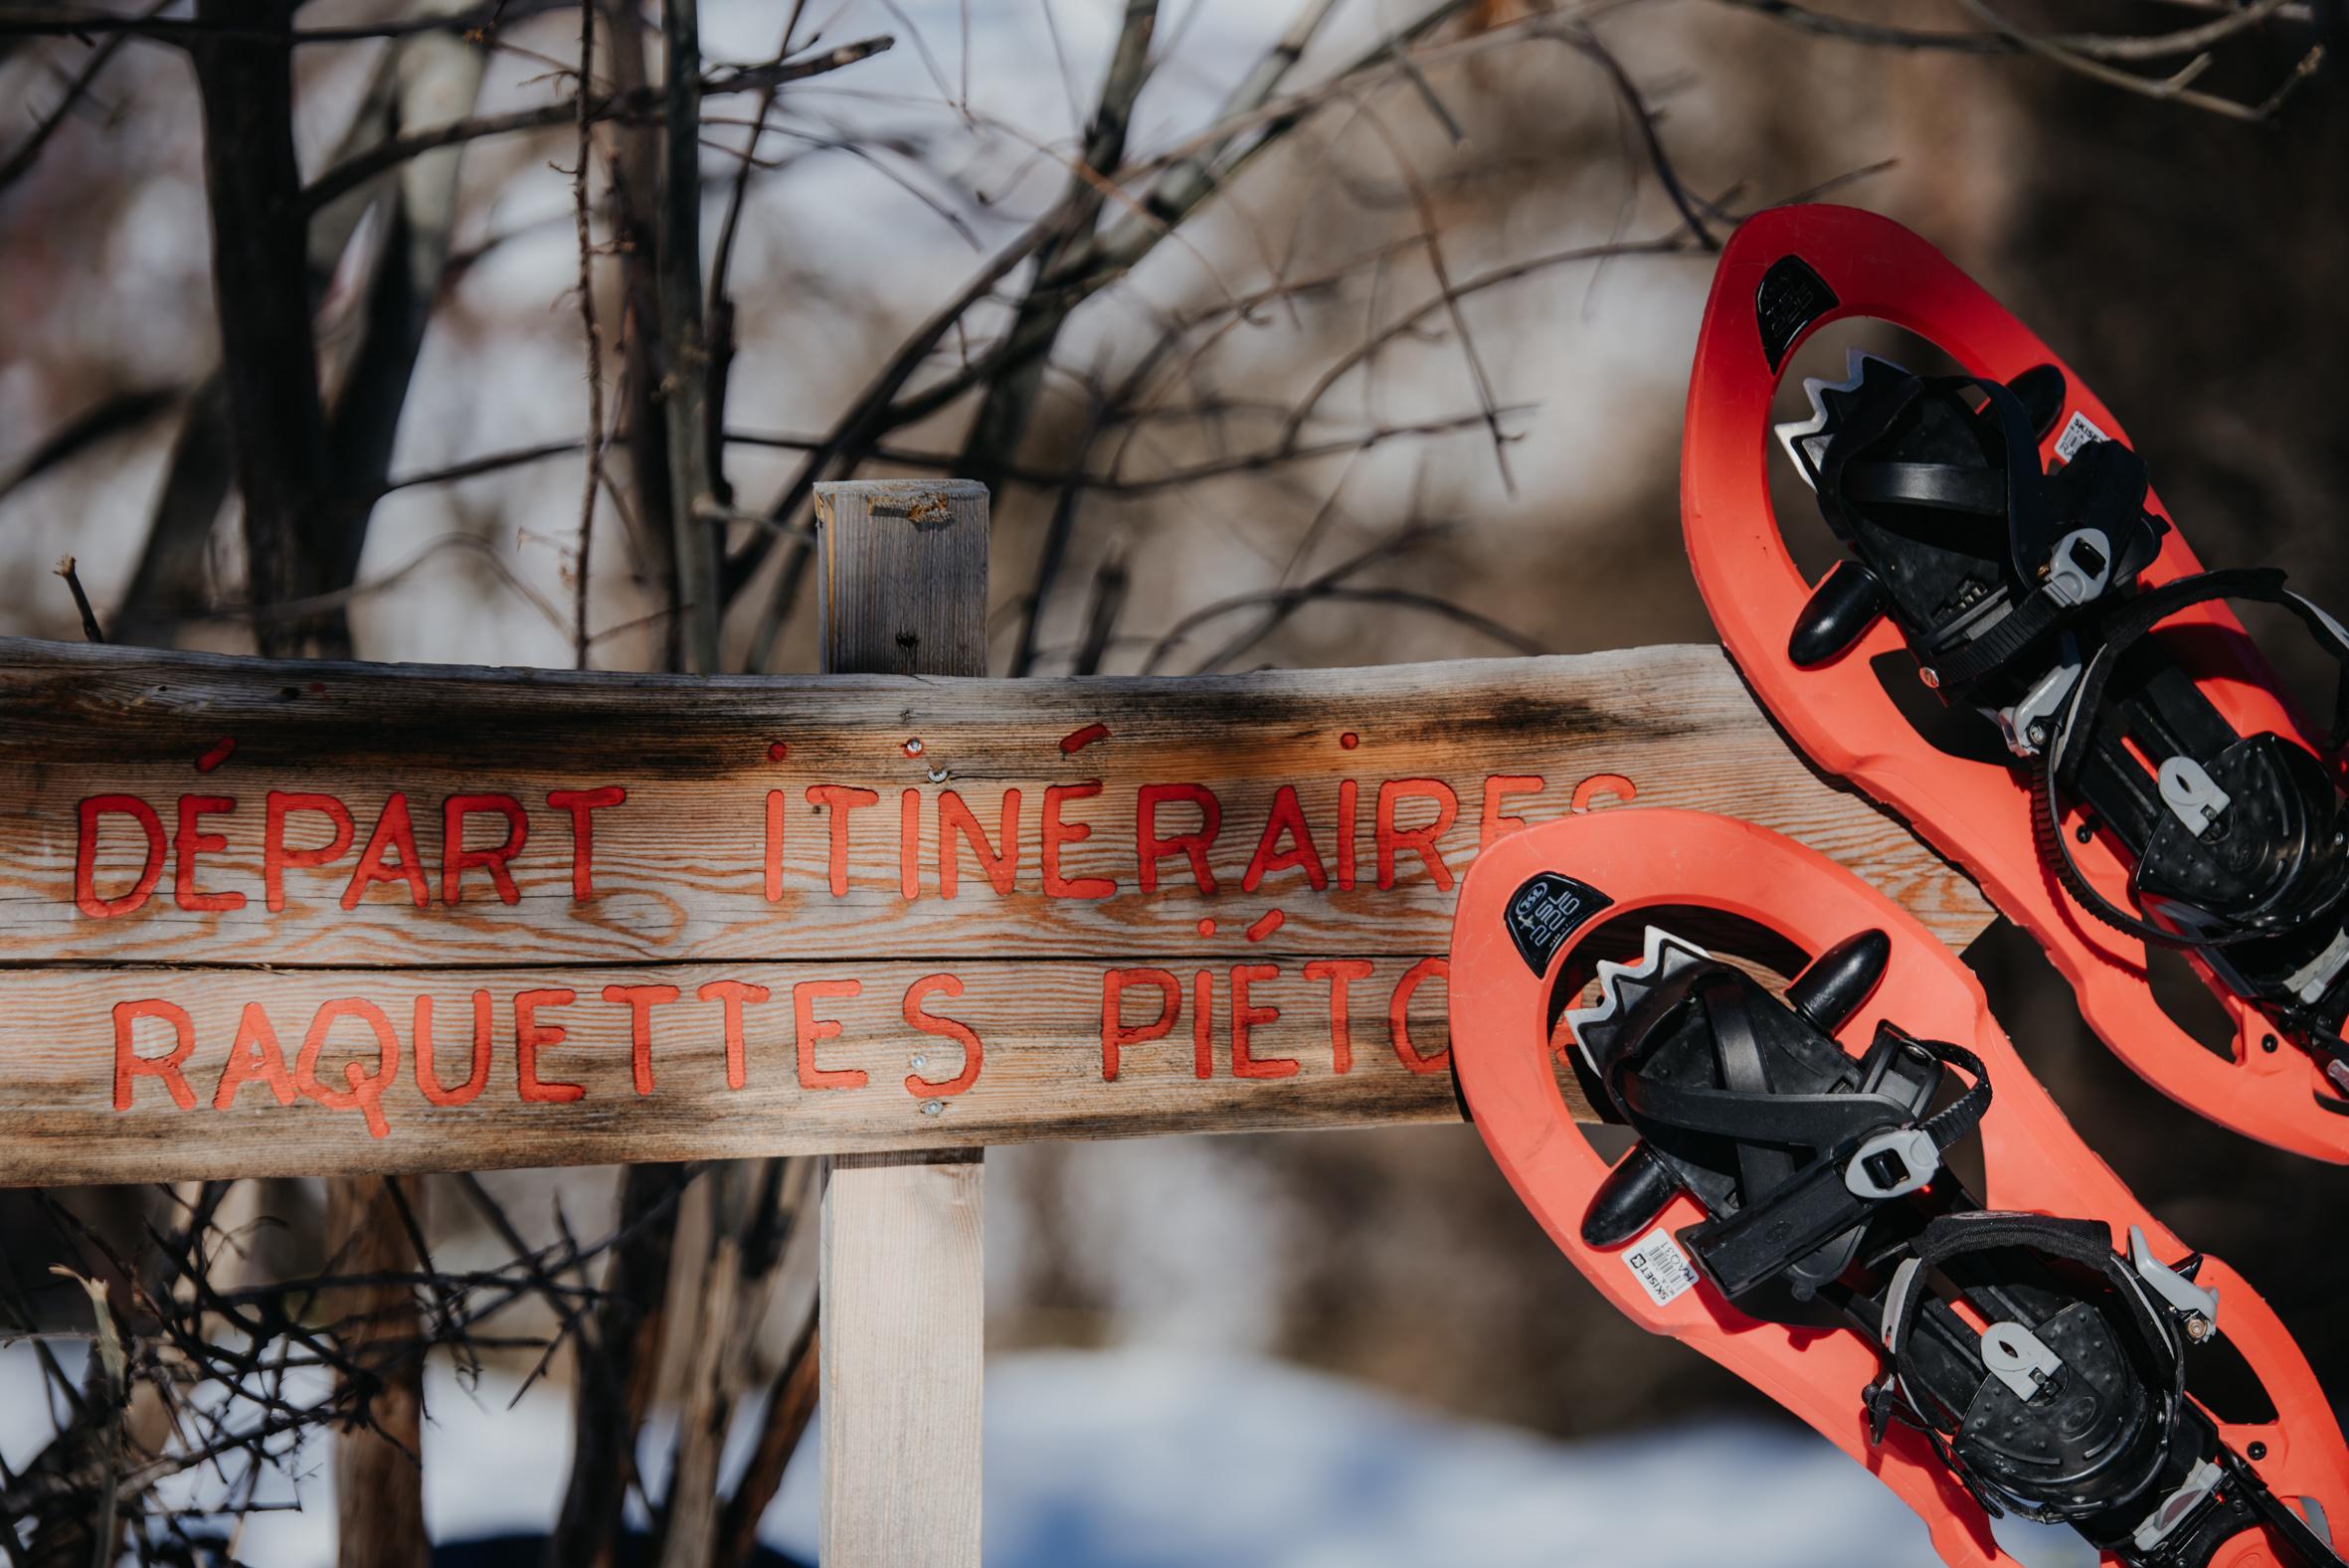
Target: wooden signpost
(293,918)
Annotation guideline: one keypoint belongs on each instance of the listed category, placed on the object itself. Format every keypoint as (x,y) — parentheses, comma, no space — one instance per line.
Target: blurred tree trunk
(378,1459)
(269,353)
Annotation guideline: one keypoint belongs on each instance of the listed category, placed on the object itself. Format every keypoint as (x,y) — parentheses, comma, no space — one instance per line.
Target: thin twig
(89,628)
(584,222)
(640,105)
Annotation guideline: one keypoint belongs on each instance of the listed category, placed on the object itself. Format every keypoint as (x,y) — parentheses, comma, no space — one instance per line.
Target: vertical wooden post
(901,588)
(378,1469)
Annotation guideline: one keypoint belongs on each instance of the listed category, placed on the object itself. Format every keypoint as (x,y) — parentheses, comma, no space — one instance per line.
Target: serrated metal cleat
(1806,441)
(1621,985)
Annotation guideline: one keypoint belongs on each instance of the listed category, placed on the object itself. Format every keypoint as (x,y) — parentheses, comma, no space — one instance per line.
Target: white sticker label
(2078,434)
(1662,1268)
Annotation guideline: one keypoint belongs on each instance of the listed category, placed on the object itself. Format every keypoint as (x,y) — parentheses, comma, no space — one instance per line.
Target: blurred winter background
(1423,330)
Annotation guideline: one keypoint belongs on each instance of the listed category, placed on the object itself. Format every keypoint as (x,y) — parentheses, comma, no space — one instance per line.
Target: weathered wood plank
(1042,1069)
(902,566)
(679,869)
(903,1343)
(674,895)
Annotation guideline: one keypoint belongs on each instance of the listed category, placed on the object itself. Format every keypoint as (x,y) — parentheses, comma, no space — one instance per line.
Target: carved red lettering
(1202,1023)
(129,1064)
(1285,820)
(580,802)
(1115,1033)
(909,845)
(839,800)
(1247,1018)
(1150,847)
(1591,788)
(808,1029)
(639,1000)
(427,1077)
(276,856)
(974,1053)
(1398,1016)
(531,1037)
(1495,819)
(85,855)
(1339,972)
(775,806)
(393,832)
(1349,796)
(956,820)
(730,994)
(366,1091)
(456,858)
(255,1054)
(194,842)
(1057,832)
(1421,840)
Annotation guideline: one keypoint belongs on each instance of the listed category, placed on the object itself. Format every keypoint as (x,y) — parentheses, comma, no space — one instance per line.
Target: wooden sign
(275,918)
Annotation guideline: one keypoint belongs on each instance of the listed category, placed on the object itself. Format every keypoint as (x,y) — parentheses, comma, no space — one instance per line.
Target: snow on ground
(1163,1459)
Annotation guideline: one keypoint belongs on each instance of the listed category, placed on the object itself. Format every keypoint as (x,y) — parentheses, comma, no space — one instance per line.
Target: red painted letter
(1421,840)
(1495,819)
(191,842)
(579,803)
(639,1000)
(85,855)
(955,819)
(1057,832)
(1398,1016)
(1340,972)
(391,831)
(454,858)
(530,1035)
(1115,1033)
(775,804)
(276,857)
(1287,817)
(1149,848)
(365,1095)
(949,1028)
(839,800)
(129,1064)
(428,1078)
(808,1029)
(1245,1017)
(731,994)
(255,1054)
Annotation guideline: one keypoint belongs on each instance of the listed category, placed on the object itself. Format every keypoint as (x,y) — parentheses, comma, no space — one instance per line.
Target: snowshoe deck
(2158,788)
(1793,1208)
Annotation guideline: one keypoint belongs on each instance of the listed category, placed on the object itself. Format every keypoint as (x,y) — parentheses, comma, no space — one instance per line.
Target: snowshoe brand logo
(1791,297)
(2079,430)
(1545,911)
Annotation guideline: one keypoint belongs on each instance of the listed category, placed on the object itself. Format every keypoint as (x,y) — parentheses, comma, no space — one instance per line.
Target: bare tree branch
(268,357)
(632,105)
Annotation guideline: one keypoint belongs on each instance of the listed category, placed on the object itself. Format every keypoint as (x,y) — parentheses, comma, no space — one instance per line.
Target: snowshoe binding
(2153,788)
(2028,1341)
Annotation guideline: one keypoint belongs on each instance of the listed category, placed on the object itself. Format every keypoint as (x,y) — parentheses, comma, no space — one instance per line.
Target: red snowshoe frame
(1640,859)
(1978,814)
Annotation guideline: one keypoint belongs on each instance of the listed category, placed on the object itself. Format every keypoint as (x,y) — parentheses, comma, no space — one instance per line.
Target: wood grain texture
(900,1267)
(901,1393)
(896,558)
(677,894)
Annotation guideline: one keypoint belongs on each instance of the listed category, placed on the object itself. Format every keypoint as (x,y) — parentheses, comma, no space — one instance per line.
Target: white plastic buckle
(1911,1147)
(2019,1359)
